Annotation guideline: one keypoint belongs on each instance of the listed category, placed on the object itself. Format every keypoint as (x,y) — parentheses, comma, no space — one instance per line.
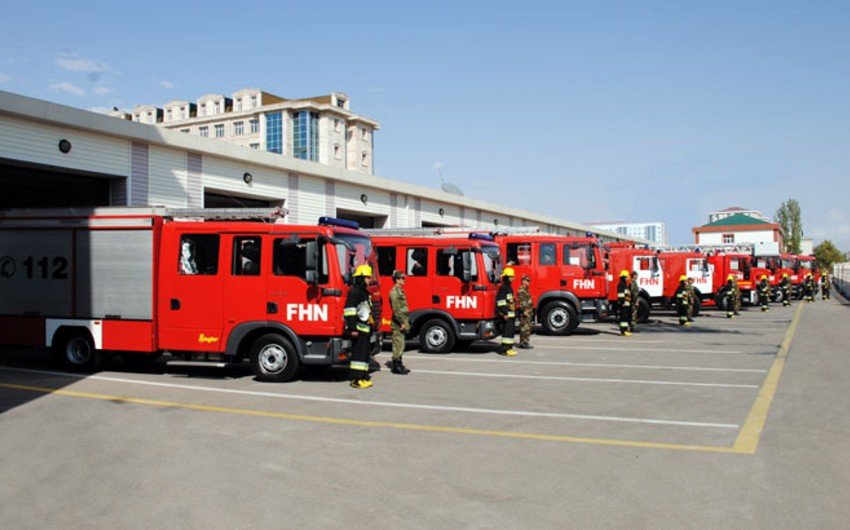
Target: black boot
(399,368)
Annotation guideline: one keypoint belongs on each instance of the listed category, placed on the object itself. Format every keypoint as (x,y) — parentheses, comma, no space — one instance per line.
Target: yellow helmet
(763,277)
(683,278)
(363,270)
(509,272)
(624,273)
(784,274)
(730,277)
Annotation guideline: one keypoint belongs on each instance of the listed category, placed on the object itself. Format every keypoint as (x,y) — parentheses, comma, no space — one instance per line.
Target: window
(168,114)
(198,254)
(183,113)
(246,256)
(289,258)
(254,145)
(274,133)
(305,135)
(386,261)
(728,239)
(417,261)
(547,253)
(340,103)
(450,263)
(202,111)
(337,152)
(239,104)
(187,131)
(362,133)
(217,107)
(337,125)
(204,131)
(254,125)
(254,102)
(219,130)
(364,158)
(519,254)
(239,128)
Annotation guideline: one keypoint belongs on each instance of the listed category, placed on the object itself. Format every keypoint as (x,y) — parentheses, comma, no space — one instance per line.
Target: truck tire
(720,300)
(697,304)
(274,359)
(644,310)
(75,350)
(777,297)
(559,318)
(436,336)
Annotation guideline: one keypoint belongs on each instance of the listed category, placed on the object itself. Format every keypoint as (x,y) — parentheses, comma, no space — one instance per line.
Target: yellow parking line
(748,439)
(379,424)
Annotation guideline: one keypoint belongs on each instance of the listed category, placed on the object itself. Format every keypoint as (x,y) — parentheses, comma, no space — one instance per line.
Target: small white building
(738,228)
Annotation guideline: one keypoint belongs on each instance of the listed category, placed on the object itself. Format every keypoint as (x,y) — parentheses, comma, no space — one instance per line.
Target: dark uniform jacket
(357,296)
(505,304)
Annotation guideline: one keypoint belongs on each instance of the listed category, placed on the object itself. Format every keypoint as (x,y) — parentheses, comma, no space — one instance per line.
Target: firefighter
(526,312)
(692,298)
(506,309)
(400,323)
(736,301)
(360,325)
(729,296)
(624,299)
(824,286)
(809,288)
(763,292)
(784,288)
(683,300)
(634,292)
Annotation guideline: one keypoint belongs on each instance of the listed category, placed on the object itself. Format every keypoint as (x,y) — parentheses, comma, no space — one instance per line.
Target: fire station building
(57,156)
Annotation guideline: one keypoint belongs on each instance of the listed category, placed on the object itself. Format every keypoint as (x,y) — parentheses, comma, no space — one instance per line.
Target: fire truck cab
(568,279)
(451,286)
(695,266)
(206,286)
(738,265)
(650,275)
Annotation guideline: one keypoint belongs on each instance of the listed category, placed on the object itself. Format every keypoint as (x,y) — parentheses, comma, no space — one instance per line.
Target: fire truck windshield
(806,264)
(492,262)
(352,251)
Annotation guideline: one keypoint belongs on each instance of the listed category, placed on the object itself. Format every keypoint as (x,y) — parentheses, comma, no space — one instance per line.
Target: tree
(826,253)
(788,217)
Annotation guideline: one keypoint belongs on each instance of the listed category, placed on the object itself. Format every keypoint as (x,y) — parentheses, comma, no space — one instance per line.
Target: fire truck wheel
(697,306)
(559,318)
(436,336)
(75,350)
(274,359)
(777,296)
(720,300)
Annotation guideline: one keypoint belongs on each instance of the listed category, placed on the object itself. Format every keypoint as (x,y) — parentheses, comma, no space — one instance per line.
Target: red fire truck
(568,278)
(694,265)
(627,256)
(202,285)
(738,264)
(451,286)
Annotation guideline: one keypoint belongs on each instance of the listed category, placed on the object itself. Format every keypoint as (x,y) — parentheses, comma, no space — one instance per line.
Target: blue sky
(592,110)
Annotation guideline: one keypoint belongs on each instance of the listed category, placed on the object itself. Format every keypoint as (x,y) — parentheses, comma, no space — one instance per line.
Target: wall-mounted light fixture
(248,178)
(64,146)
(496,222)
(441,211)
(364,198)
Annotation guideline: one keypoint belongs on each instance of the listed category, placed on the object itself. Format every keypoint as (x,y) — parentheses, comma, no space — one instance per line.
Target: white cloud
(166,84)
(74,62)
(69,88)
(4,78)
(102,90)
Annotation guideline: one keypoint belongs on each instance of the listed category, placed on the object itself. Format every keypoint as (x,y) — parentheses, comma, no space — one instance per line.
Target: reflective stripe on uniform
(357,365)
(501,303)
(349,311)
(624,325)
(511,314)
(507,340)
(363,328)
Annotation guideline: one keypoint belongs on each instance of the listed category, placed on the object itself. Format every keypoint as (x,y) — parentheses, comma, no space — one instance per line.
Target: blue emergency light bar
(483,237)
(344,223)
(588,234)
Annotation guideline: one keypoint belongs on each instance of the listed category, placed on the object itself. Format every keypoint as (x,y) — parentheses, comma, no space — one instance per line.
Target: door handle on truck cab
(175,304)
(271,308)
(331,292)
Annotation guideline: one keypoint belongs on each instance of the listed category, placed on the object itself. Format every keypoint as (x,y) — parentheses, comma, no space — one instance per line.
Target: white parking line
(430,357)
(630,349)
(588,379)
(588,417)
(560,340)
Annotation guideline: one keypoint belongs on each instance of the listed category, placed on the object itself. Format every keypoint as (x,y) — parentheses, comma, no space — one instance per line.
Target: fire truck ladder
(739,248)
(222,214)
(450,231)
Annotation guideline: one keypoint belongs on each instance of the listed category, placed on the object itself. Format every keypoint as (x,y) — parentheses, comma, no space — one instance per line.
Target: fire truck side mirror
(591,258)
(466,259)
(312,263)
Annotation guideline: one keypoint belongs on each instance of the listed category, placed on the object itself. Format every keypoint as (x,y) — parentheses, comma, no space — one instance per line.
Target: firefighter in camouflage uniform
(400,323)
(506,310)
(692,299)
(526,312)
(624,301)
(634,292)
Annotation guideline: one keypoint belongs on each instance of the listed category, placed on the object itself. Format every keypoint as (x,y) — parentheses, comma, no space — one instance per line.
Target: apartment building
(319,129)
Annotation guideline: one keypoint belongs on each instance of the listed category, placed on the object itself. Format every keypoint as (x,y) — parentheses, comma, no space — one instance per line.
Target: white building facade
(734,210)
(654,231)
(319,129)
